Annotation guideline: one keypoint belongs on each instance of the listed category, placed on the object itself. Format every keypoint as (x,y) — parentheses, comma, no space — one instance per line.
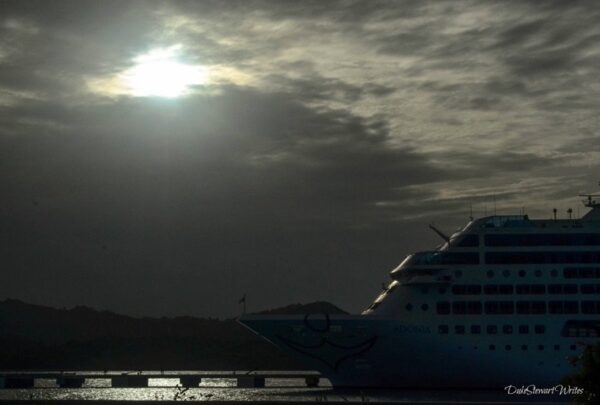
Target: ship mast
(591,201)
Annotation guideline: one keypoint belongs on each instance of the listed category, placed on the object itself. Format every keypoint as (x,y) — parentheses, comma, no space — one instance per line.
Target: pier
(139,379)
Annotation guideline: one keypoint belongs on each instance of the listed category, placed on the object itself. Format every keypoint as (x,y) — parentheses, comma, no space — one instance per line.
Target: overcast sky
(166,158)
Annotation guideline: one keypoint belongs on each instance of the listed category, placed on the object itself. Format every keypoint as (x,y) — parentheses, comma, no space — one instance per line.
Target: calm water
(275,390)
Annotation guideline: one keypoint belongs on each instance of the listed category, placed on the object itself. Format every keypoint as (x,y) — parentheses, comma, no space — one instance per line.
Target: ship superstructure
(507,300)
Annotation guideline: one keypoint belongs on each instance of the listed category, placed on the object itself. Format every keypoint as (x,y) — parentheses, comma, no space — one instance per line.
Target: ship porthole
(409,307)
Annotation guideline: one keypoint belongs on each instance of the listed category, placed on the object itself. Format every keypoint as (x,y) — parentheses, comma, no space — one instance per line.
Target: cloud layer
(330,134)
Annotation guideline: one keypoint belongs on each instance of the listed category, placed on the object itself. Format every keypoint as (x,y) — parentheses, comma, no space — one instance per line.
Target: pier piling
(190,381)
(312,381)
(250,381)
(129,381)
(18,382)
(70,381)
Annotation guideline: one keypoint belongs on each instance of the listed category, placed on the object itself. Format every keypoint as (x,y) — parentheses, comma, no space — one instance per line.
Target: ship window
(590,288)
(459,307)
(562,289)
(523,329)
(507,347)
(490,274)
(531,307)
(424,307)
(524,347)
(540,347)
(491,289)
(530,289)
(522,273)
(459,329)
(581,329)
(573,347)
(581,272)
(474,289)
(507,329)
(538,273)
(492,329)
(540,329)
(471,240)
(495,289)
(563,307)
(506,273)
(554,273)
(466,307)
(499,307)
(475,329)
(409,307)
(571,307)
(466,289)
(556,347)
(474,307)
(541,257)
(443,308)
(437,257)
(443,329)
(492,347)
(565,239)
(590,307)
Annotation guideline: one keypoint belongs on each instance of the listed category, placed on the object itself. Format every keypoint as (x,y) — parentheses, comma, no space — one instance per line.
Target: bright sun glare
(159,73)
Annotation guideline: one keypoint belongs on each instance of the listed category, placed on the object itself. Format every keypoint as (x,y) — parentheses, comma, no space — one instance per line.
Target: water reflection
(291,389)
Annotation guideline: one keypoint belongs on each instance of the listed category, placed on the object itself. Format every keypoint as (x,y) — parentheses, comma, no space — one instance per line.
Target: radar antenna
(591,200)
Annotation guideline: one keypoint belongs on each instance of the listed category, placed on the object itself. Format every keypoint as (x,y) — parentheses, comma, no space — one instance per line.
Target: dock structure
(139,379)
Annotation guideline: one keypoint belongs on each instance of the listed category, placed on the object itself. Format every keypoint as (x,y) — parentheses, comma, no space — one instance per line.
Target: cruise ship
(506,300)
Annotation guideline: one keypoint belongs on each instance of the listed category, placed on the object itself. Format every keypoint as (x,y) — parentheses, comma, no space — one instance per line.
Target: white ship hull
(367,351)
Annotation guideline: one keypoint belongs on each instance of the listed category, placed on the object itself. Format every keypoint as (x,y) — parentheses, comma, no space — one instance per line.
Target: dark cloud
(146,178)
(314,87)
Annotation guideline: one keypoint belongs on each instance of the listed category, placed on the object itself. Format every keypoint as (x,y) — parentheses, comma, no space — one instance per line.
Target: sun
(159,73)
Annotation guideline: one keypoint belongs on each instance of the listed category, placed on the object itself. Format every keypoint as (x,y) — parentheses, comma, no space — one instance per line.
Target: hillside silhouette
(81,338)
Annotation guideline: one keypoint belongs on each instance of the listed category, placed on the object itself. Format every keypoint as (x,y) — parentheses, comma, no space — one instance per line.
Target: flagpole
(243,301)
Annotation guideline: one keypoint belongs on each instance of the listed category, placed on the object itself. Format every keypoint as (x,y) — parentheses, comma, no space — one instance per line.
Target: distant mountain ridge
(35,336)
